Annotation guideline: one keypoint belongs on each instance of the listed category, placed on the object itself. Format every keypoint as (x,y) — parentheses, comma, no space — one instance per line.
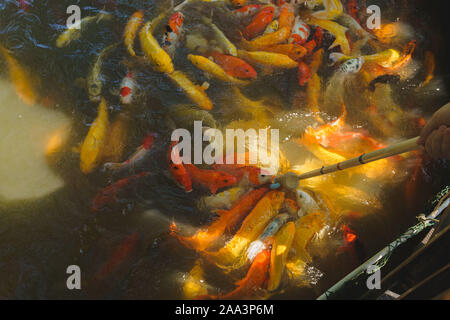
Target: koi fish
(294,51)
(333,8)
(231,255)
(127,88)
(247,10)
(195,285)
(119,256)
(95,78)
(225,43)
(254,280)
(210,179)
(305,202)
(108,196)
(351,244)
(223,200)
(213,69)
(228,219)
(386,79)
(91,150)
(353,9)
(253,174)
(234,66)
(116,139)
(300,32)
(291,206)
(20,78)
(385,58)
(280,250)
(287,17)
(136,158)
(269,59)
(74,31)
(272,228)
(337,30)
(173,33)
(159,58)
(272,27)
(303,73)
(269,39)
(195,93)
(259,22)
(313,93)
(178,170)
(323,132)
(429,66)
(131,30)
(305,228)
(352,65)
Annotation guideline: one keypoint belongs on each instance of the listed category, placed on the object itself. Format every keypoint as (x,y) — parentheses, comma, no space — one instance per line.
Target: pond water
(126,251)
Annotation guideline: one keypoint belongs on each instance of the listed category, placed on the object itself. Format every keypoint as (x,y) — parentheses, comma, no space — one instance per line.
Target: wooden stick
(292,181)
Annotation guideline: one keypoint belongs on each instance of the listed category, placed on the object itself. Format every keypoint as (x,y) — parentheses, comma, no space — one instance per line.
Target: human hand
(435,136)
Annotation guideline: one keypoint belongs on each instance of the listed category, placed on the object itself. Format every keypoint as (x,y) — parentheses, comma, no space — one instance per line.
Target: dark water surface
(41,236)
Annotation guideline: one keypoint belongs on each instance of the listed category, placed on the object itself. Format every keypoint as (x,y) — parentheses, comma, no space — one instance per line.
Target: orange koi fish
(108,196)
(234,66)
(324,131)
(120,255)
(212,180)
(20,79)
(254,281)
(287,17)
(228,219)
(255,175)
(137,157)
(259,22)
(352,243)
(353,9)
(178,170)
(294,51)
(247,11)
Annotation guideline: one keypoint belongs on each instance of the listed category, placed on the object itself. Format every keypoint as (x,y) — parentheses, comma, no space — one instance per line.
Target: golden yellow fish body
(160,60)
(91,150)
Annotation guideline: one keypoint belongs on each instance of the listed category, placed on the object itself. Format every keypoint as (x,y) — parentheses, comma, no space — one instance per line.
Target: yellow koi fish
(20,79)
(269,59)
(233,256)
(91,150)
(194,92)
(160,60)
(116,139)
(225,43)
(337,30)
(195,285)
(213,69)
(313,93)
(333,8)
(305,228)
(131,30)
(268,39)
(280,250)
(74,31)
(385,58)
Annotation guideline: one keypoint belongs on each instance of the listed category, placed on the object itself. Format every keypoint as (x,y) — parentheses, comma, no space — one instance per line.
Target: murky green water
(45,222)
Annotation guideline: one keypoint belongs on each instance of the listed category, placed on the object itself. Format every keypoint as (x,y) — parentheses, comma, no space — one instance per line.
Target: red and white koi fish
(300,32)
(137,157)
(127,88)
(173,32)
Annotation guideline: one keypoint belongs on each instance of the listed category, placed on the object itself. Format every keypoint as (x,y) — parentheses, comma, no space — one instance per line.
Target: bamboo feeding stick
(291,180)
